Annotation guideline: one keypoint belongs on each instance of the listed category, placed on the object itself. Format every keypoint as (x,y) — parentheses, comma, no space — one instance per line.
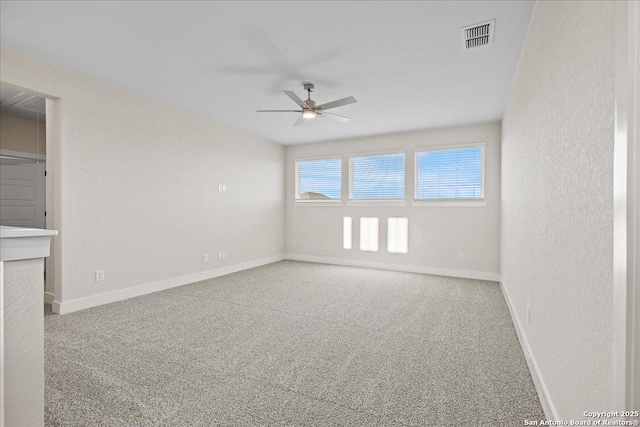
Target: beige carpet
(293,343)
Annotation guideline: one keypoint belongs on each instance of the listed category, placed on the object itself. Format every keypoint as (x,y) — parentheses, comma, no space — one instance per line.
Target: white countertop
(18,243)
(12,232)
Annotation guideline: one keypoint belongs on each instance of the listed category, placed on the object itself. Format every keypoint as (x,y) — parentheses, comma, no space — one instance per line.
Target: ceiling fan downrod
(309,87)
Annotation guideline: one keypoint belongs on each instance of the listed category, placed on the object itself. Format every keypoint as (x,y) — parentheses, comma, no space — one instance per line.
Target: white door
(22,191)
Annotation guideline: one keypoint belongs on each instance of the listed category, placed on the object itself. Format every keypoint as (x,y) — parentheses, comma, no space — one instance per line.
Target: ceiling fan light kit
(310,110)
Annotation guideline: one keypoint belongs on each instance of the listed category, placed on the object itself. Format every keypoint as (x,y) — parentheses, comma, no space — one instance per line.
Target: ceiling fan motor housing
(310,103)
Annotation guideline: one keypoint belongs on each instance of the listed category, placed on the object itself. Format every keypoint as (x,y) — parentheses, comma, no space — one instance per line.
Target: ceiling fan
(310,110)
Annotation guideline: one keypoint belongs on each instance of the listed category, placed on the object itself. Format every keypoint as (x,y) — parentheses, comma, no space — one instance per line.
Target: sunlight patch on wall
(346,232)
(398,235)
(369,234)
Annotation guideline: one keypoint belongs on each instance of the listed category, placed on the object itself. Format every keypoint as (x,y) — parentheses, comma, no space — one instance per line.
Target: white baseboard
(467,274)
(543,393)
(119,295)
(49,297)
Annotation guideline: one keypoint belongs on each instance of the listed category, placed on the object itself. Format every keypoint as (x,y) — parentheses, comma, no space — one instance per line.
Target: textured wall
(138,185)
(20,134)
(557,162)
(23,342)
(436,234)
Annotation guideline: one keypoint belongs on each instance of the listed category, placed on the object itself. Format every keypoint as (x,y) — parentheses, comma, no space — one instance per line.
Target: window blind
(377,177)
(450,174)
(318,179)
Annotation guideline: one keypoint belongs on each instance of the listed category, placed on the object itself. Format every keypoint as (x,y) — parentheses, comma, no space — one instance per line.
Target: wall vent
(478,35)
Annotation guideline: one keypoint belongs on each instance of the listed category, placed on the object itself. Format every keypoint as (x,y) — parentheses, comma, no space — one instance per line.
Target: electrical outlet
(224,187)
(224,254)
(528,315)
(99,275)
(460,256)
(205,258)
(219,187)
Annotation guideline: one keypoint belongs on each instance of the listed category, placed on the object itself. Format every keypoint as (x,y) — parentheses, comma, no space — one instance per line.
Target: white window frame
(476,202)
(296,189)
(375,202)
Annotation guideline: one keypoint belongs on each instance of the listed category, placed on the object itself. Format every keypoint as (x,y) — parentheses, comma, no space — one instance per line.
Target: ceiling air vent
(478,35)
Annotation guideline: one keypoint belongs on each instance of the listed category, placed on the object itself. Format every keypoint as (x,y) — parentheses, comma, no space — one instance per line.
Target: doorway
(23,161)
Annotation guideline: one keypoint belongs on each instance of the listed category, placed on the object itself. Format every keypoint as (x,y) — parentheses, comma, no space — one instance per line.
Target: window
(319,180)
(398,235)
(369,234)
(453,173)
(377,177)
(346,232)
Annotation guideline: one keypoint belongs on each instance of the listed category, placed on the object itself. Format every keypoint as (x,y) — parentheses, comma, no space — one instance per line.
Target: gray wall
(557,209)
(137,192)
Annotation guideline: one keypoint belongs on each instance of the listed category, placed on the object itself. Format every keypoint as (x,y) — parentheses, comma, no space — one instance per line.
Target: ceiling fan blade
(299,122)
(295,98)
(335,117)
(279,111)
(339,103)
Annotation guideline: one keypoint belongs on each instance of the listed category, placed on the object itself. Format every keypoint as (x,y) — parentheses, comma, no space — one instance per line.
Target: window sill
(377,203)
(451,203)
(317,203)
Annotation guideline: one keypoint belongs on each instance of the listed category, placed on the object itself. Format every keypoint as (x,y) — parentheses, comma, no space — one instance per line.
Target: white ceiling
(402,61)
